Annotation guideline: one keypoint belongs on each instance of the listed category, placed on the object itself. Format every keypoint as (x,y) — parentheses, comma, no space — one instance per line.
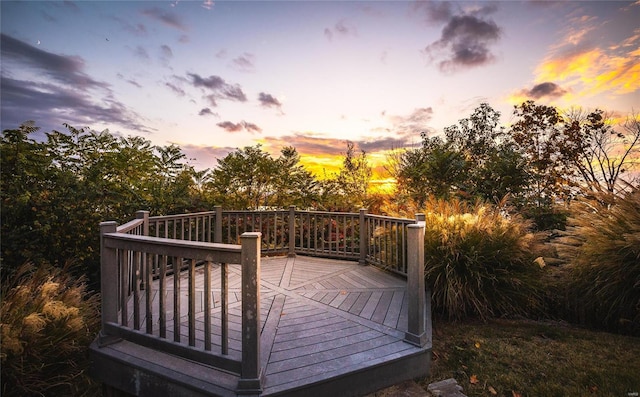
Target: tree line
(542,161)
(56,191)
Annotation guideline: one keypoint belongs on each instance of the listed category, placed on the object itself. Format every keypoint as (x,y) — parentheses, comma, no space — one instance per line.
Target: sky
(214,76)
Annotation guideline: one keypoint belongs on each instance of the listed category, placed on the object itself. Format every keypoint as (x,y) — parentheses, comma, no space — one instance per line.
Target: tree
(477,136)
(539,135)
(354,177)
(55,193)
(244,179)
(495,168)
(601,154)
(293,184)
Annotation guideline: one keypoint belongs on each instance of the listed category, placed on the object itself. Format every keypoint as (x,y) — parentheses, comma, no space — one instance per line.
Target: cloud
(141,53)
(64,69)
(165,17)
(434,11)
(60,91)
(546,89)
(340,29)
(137,30)
(584,64)
(244,63)
(412,124)
(241,126)
(207,4)
(594,71)
(130,81)
(206,112)
(269,101)
(311,144)
(465,39)
(324,156)
(177,90)
(217,88)
(202,157)
(250,127)
(165,52)
(52,105)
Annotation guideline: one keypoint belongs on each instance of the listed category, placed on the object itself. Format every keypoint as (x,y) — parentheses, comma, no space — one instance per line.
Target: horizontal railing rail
(370,239)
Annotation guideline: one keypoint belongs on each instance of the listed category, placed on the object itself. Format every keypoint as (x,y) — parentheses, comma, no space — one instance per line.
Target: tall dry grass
(48,319)
(602,249)
(479,261)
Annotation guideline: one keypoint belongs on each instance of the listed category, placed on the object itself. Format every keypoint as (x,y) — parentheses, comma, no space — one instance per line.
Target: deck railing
(369,239)
(133,310)
(163,252)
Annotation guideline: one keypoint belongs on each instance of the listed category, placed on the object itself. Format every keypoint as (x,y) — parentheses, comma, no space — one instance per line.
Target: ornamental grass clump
(602,250)
(479,262)
(48,320)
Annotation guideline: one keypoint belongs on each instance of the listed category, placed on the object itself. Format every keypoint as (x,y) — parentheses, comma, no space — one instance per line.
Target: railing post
(144,215)
(108,283)
(363,237)
(292,231)
(145,225)
(421,219)
(217,236)
(251,372)
(417,325)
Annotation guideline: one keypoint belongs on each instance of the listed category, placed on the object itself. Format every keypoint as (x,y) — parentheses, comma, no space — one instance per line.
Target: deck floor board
(320,318)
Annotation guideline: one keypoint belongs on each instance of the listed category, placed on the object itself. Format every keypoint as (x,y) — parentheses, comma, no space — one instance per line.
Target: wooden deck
(328,327)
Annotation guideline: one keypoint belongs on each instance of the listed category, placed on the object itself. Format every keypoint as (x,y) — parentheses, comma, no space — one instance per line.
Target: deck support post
(363,237)
(292,231)
(108,284)
(250,382)
(217,234)
(417,330)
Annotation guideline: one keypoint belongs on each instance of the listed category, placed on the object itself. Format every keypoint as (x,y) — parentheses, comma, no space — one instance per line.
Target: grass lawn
(526,358)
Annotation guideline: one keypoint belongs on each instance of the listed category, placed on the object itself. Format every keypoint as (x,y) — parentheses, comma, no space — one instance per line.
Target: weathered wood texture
(327,327)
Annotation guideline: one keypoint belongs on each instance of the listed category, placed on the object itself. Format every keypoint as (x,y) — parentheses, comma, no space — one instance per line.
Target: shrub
(480,262)
(603,252)
(48,321)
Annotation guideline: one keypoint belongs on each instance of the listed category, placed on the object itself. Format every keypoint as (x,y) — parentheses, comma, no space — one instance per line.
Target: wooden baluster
(207,306)
(192,302)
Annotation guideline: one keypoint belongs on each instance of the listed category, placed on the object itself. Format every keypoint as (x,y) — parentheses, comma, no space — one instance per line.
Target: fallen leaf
(343,292)
(477,345)
(473,379)
(492,390)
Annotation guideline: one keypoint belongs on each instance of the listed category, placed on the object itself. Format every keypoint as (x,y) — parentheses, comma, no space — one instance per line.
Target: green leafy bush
(602,248)
(480,262)
(48,322)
